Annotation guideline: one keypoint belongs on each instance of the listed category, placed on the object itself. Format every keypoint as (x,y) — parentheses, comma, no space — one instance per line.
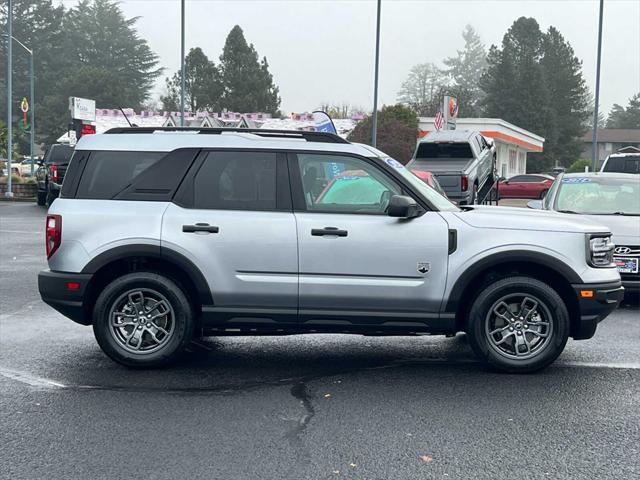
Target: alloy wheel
(519,326)
(141,321)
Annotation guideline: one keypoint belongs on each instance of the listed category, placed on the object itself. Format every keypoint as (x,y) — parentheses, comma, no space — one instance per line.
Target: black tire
(42,198)
(550,308)
(163,288)
(543,194)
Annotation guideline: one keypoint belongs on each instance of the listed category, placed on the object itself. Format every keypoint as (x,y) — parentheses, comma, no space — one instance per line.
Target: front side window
(236,181)
(332,183)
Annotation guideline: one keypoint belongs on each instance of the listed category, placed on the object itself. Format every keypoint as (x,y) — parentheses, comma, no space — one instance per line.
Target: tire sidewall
(485,300)
(183,329)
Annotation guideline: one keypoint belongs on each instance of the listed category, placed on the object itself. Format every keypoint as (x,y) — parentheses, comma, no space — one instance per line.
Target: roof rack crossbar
(321,137)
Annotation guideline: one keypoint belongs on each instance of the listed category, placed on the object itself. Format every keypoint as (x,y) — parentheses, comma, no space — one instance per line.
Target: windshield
(599,195)
(437,200)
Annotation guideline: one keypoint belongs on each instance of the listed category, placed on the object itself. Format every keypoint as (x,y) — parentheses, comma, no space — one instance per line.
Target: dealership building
(512,142)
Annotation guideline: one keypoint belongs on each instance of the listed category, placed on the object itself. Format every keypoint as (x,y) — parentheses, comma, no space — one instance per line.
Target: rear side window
(623,165)
(108,173)
(236,181)
(444,150)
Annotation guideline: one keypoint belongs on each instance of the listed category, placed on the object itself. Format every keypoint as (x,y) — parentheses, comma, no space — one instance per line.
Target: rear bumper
(596,302)
(55,292)
(631,285)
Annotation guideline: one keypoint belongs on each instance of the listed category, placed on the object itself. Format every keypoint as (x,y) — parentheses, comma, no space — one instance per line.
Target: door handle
(200,227)
(326,231)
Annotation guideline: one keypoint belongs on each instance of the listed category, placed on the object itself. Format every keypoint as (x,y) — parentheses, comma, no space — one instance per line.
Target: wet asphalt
(300,407)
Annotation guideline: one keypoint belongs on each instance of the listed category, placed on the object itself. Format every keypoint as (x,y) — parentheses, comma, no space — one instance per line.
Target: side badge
(424,267)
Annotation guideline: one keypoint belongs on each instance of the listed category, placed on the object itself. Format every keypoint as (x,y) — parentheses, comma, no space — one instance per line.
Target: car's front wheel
(143,320)
(42,198)
(518,324)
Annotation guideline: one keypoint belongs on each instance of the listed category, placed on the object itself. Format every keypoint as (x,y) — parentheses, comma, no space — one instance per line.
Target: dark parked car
(525,186)
(51,172)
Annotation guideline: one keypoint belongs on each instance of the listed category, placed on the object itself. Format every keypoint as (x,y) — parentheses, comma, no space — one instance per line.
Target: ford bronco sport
(161,235)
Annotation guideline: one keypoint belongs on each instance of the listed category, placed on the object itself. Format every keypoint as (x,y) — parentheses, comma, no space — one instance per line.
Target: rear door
(359,266)
(233,219)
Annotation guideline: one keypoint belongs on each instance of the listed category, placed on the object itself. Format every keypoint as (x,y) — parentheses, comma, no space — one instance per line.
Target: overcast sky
(323,50)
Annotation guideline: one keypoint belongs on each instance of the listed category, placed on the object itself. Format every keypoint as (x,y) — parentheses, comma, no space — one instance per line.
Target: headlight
(600,252)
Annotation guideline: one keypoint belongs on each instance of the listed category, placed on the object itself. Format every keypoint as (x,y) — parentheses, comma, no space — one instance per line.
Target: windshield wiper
(626,214)
(567,211)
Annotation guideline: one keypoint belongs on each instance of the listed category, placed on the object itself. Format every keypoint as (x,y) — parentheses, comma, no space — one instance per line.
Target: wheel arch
(130,258)
(498,265)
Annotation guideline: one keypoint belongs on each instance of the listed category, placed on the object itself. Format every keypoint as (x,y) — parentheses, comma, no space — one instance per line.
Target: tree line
(533,80)
(92,50)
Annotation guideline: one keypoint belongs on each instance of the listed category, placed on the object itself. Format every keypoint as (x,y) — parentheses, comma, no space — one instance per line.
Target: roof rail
(321,137)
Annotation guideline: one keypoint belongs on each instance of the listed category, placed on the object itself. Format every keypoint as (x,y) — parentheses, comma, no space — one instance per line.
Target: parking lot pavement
(300,407)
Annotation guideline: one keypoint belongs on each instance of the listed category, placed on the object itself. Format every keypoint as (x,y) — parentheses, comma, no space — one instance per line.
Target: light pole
(374,119)
(9,192)
(182,64)
(594,143)
(32,99)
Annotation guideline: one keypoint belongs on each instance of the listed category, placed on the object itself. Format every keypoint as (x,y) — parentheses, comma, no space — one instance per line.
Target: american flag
(437,122)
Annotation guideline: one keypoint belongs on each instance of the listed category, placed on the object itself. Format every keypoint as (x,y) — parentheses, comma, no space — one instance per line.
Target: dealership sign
(82,109)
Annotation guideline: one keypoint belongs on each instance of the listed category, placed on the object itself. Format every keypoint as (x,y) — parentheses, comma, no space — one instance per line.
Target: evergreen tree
(248,85)
(465,71)
(397,132)
(535,81)
(568,99)
(423,89)
(103,59)
(629,117)
(38,25)
(203,86)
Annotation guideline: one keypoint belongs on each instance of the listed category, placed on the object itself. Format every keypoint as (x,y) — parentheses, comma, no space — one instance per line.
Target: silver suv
(162,235)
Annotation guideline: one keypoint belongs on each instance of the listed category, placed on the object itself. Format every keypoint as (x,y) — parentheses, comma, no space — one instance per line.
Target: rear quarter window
(108,172)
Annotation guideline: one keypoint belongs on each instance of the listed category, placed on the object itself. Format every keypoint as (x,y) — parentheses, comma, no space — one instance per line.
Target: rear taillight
(54,173)
(53,233)
(464,183)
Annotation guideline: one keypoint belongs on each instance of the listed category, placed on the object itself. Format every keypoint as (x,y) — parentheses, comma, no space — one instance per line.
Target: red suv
(525,186)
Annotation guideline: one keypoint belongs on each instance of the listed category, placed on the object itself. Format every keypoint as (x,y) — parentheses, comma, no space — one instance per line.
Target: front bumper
(595,302)
(55,291)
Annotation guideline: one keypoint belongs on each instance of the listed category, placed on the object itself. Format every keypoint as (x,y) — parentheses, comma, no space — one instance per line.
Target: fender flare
(155,251)
(505,258)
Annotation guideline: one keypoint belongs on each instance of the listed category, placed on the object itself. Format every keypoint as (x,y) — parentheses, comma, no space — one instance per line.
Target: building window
(512,162)
(522,162)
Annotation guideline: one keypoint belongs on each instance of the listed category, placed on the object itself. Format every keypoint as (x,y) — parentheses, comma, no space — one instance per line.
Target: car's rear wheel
(42,198)
(143,320)
(518,324)
(50,196)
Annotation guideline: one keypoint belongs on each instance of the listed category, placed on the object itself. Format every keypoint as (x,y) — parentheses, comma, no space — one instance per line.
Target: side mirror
(401,206)
(535,204)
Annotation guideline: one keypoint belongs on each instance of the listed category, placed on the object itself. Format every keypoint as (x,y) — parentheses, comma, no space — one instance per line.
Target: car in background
(430,179)
(609,199)
(462,160)
(25,166)
(525,186)
(622,163)
(51,173)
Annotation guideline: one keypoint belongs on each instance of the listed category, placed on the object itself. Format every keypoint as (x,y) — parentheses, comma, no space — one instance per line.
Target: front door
(359,266)
(234,221)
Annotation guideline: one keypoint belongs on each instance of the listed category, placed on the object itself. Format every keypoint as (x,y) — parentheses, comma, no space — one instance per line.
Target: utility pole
(9,192)
(374,118)
(594,144)
(182,65)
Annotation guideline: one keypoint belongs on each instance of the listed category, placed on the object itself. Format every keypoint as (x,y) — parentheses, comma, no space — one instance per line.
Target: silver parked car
(162,235)
(611,199)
